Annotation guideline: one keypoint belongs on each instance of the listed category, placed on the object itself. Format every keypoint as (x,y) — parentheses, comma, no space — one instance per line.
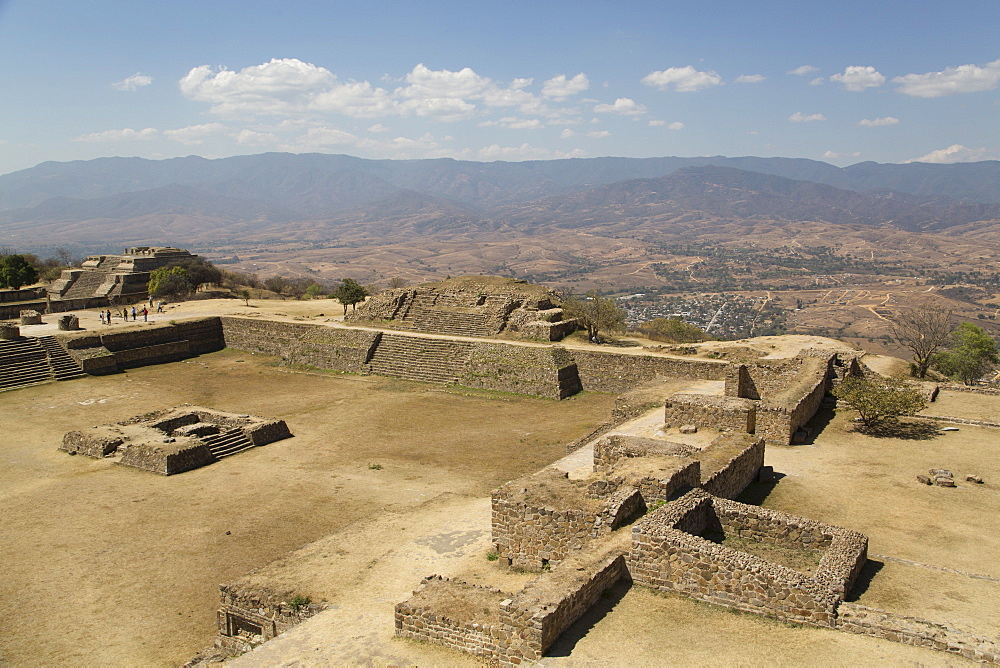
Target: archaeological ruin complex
(657,510)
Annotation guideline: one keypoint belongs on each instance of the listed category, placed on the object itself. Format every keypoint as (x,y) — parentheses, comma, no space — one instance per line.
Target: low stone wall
(267,432)
(547,372)
(22,295)
(439,613)
(722,413)
(729,480)
(611,372)
(157,353)
(193,454)
(509,629)
(908,630)
(83,443)
(543,610)
(12,311)
(540,520)
(248,616)
(667,554)
(548,331)
(333,348)
(614,447)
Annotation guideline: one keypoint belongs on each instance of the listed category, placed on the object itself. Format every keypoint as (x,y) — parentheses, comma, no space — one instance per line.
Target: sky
(842,82)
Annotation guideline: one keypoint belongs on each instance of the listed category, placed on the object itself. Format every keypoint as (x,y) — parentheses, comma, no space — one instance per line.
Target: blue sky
(843,82)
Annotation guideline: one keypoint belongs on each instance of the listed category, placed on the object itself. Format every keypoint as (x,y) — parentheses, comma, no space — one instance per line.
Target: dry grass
(105,565)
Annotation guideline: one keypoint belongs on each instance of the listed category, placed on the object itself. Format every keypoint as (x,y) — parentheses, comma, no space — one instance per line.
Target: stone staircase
(23,362)
(418,358)
(29,361)
(85,285)
(63,366)
(227,443)
(453,322)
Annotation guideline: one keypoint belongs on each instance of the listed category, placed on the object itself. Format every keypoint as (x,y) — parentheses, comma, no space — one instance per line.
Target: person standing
(109,317)
(102,317)
(145,314)
(133,314)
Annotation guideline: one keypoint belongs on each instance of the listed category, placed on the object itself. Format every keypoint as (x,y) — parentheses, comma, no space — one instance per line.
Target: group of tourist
(135,313)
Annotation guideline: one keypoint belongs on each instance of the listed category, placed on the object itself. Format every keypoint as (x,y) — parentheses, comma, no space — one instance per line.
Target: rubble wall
(722,413)
(333,348)
(666,556)
(611,372)
(546,372)
(730,480)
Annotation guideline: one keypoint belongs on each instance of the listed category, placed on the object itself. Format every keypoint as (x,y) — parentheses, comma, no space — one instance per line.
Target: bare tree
(922,331)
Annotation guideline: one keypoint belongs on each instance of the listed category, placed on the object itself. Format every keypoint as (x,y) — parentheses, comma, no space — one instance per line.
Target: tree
(970,354)
(922,331)
(15,271)
(879,401)
(314,290)
(349,292)
(397,282)
(244,294)
(199,271)
(276,284)
(595,313)
(673,330)
(169,282)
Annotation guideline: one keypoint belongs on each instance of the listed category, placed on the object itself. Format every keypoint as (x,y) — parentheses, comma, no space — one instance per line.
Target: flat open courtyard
(388,481)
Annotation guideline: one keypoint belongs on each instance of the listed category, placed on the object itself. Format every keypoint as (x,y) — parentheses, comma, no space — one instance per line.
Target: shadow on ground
(568,640)
(865,577)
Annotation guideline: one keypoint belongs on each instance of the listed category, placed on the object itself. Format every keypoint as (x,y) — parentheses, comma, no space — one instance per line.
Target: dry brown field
(105,565)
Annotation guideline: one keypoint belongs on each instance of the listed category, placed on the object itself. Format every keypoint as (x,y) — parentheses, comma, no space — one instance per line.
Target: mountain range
(325,197)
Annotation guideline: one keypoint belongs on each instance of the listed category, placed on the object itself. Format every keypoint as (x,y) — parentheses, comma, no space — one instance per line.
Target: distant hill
(320,196)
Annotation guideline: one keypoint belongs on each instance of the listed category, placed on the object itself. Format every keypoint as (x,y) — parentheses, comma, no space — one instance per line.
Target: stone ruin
(470,306)
(686,535)
(175,440)
(122,276)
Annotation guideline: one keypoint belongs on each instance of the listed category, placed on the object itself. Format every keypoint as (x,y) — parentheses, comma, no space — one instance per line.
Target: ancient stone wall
(457,615)
(666,555)
(614,447)
(541,519)
(150,457)
(337,349)
(22,295)
(730,479)
(547,372)
(908,630)
(722,413)
(611,372)
(509,629)
(249,616)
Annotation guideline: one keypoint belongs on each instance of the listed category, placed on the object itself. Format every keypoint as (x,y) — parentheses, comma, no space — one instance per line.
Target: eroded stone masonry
(175,440)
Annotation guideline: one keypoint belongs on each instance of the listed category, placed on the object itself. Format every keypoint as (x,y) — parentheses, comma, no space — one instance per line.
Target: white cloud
(799,117)
(623,105)
(818,81)
(830,155)
(356,99)
(683,79)
(525,152)
(878,122)
(193,135)
(749,78)
(676,125)
(133,83)
(803,70)
(857,78)
(125,134)
(951,80)
(280,86)
(955,153)
(324,136)
(378,128)
(559,88)
(514,123)
(254,138)
(656,123)
(599,134)
(566,133)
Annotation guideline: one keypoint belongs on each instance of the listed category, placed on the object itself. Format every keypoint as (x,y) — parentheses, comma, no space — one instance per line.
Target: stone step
(64,367)
(413,358)
(227,443)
